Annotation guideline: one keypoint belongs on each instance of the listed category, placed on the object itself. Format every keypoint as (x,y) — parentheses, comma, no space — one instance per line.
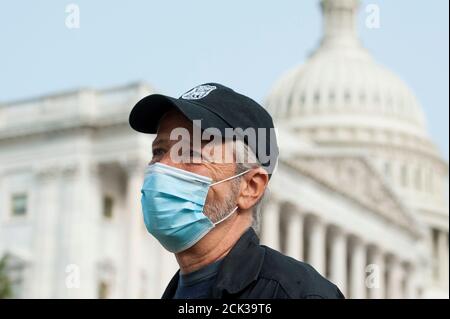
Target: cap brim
(147,113)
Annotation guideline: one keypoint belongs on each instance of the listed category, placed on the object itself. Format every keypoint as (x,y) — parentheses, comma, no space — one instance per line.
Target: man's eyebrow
(159,141)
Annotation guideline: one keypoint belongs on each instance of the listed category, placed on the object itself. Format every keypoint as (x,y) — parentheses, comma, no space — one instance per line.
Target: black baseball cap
(219,107)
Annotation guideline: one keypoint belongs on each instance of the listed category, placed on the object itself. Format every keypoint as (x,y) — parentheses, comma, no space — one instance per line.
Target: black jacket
(253,271)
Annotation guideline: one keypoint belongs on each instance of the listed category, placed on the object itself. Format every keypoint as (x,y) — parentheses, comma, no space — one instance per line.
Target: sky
(247,45)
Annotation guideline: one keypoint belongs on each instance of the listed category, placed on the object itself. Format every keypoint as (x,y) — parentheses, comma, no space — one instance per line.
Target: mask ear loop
(229,178)
(231,213)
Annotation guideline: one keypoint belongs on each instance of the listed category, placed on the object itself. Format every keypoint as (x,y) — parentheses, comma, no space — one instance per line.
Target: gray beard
(217,211)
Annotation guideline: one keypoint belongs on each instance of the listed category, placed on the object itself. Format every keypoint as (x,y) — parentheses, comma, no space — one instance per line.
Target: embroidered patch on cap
(198,92)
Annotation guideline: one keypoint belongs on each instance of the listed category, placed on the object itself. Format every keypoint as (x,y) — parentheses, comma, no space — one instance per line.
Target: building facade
(353,130)
(71,174)
(360,191)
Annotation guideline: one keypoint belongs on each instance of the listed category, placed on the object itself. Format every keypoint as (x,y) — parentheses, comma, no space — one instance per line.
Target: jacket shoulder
(296,278)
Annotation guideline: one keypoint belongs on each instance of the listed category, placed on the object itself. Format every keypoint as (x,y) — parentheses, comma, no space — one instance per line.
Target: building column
(294,237)
(443,255)
(45,237)
(135,174)
(77,247)
(316,249)
(410,282)
(271,224)
(338,259)
(394,279)
(375,277)
(358,267)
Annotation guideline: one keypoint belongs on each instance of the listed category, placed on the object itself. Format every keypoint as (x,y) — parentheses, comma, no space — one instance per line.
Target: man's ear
(253,185)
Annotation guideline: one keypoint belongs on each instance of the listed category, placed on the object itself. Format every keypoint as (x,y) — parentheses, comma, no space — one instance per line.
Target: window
(387,170)
(434,242)
(404,176)
(16,275)
(347,97)
(302,102)
(332,97)
(103,290)
(105,281)
(303,99)
(19,204)
(316,98)
(12,270)
(362,98)
(108,205)
(418,180)
(289,104)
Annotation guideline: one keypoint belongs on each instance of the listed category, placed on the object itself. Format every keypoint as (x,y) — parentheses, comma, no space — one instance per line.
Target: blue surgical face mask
(172,203)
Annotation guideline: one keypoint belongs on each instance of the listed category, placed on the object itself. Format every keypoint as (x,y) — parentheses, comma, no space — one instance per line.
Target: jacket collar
(239,268)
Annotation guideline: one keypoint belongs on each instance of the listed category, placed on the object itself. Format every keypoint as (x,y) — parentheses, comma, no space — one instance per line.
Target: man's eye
(195,155)
(158,152)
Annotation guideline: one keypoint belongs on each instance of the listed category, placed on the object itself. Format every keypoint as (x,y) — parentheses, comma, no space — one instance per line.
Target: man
(213,156)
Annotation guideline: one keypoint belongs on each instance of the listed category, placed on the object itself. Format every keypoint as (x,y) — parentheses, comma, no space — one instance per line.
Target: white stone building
(360,191)
(359,175)
(70,216)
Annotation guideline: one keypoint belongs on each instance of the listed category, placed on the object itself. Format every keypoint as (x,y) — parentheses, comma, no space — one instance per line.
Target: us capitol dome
(341,97)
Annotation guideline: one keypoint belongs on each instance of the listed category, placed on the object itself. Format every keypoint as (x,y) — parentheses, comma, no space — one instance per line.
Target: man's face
(222,198)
